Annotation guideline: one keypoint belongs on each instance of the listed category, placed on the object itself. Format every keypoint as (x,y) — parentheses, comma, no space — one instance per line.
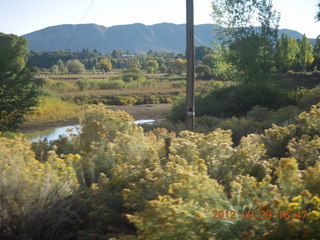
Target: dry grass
(52,109)
(146,111)
(160,89)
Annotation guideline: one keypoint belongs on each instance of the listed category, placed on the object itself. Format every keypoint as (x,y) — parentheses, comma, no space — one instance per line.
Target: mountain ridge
(136,37)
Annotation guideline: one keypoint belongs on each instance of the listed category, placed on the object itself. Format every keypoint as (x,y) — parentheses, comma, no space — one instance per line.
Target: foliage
(105,65)
(136,185)
(129,77)
(178,66)
(309,98)
(250,47)
(60,65)
(318,14)
(55,85)
(305,56)
(124,99)
(52,109)
(152,66)
(179,84)
(100,84)
(316,54)
(222,68)
(18,92)
(232,101)
(256,121)
(286,53)
(75,66)
(34,195)
(201,51)
(55,69)
(48,59)
(209,60)
(251,56)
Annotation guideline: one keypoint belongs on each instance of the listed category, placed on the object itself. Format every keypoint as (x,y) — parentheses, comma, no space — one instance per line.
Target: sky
(24,16)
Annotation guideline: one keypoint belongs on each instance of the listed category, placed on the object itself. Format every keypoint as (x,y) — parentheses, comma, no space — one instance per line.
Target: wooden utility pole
(190,120)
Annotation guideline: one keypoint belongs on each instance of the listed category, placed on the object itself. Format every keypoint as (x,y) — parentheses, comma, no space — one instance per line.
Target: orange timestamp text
(250,214)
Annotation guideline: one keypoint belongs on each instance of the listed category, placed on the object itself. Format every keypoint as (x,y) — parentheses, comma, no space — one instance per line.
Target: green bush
(137,186)
(232,101)
(36,197)
(179,84)
(110,84)
(129,77)
(309,98)
(100,84)
(83,84)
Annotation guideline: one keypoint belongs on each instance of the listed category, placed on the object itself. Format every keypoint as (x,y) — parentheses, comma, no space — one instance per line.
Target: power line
(78,26)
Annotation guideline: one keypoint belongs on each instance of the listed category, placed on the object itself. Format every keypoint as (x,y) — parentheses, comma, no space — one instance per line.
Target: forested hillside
(136,38)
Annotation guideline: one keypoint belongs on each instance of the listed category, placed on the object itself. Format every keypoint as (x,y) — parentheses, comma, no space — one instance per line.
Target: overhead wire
(78,26)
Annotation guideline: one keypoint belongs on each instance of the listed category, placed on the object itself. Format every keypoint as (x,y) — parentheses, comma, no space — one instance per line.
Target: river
(54,133)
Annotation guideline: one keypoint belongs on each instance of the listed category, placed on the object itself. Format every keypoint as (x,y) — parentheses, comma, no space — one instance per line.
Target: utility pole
(190,119)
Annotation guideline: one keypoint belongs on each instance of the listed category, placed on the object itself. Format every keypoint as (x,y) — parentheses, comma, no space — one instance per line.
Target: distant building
(128,56)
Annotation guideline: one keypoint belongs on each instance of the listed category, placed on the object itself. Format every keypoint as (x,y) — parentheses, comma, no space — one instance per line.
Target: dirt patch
(146,111)
(138,112)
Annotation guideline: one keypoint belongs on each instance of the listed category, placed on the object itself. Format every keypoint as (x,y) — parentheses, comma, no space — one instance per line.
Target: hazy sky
(24,16)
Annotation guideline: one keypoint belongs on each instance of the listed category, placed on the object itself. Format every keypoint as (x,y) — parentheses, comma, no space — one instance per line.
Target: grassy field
(111,84)
(66,96)
(51,112)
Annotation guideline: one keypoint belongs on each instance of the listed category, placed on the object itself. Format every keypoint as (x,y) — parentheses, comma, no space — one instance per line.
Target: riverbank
(138,112)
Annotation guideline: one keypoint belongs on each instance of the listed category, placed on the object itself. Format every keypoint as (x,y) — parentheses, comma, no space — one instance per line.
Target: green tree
(116,53)
(55,69)
(306,56)
(250,47)
(163,68)
(203,71)
(114,62)
(75,66)
(60,65)
(209,60)
(178,66)
(316,54)
(18,92)
(105,65)
(65,70)
(152,66)
(202,51)
(318,14)
(286,53)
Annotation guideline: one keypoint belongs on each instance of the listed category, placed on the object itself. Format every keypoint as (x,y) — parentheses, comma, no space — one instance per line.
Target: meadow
(65,96)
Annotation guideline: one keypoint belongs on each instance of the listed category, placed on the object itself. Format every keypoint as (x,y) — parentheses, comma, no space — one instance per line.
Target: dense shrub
(35,197)
(129,77)
(55,85)
(134,99)
(309,98)
(256,121)
(179,84)
(100,84)
(137,185)
(233,101)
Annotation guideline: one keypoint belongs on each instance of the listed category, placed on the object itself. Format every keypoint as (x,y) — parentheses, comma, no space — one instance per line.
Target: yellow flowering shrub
(156,185)
(305,150)
(33,195)
(309,121)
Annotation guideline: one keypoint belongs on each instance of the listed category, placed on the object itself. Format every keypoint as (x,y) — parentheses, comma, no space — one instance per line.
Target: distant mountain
(136,38)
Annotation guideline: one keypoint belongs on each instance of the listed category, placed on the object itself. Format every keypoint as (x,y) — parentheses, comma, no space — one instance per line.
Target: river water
(54,133)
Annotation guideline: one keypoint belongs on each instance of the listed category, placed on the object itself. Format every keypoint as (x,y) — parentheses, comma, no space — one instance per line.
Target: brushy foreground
(116,182)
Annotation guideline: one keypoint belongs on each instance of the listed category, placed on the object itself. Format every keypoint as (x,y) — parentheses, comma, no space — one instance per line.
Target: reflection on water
(54,133)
